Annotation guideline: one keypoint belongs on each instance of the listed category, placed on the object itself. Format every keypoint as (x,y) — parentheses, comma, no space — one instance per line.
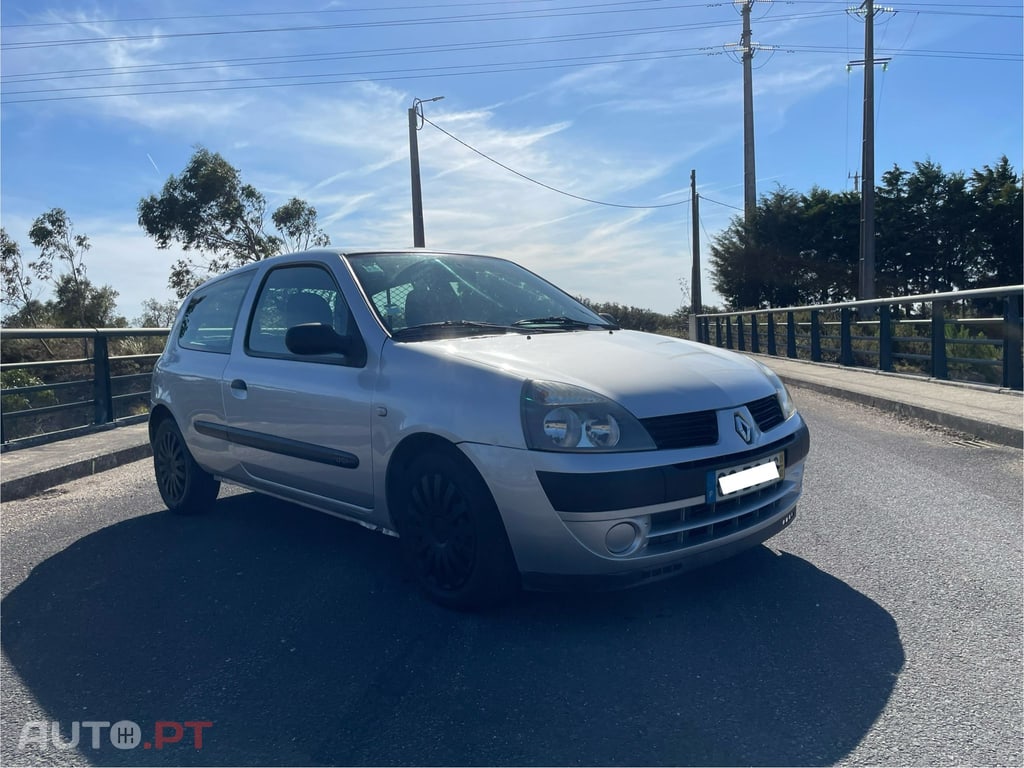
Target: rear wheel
(184,486)
(452,534)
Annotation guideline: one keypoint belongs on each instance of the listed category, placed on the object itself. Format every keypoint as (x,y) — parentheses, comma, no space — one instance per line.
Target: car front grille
(766,412)
(689,430)
(683,430)
(678,529)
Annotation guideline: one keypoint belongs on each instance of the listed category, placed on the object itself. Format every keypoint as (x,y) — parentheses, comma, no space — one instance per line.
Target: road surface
(882,628)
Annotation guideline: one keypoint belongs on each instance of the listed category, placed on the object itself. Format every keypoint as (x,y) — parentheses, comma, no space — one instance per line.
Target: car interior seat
(308,308)
(431,304)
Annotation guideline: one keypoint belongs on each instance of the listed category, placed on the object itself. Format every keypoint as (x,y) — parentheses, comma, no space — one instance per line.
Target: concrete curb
(993,433)
(21,487)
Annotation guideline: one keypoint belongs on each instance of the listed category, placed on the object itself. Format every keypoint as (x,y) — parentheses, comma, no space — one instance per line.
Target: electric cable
(548,186)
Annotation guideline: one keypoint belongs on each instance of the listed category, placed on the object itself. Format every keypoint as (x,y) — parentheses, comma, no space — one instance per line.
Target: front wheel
(452,534)
(184,486)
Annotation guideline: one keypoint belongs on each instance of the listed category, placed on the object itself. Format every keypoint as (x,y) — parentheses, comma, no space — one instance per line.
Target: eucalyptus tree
(220,221)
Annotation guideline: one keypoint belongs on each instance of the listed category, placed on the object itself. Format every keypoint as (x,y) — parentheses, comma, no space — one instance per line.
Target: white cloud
(627,132)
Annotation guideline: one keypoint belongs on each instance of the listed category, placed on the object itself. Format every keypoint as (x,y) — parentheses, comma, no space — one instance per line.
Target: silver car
(508,435)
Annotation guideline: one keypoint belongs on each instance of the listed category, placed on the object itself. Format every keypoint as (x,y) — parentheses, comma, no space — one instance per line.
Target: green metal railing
(883,334)
(81,388)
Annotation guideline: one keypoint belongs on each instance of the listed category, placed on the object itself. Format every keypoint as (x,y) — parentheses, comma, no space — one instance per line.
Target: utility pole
(746,49)
(867,196)
(415,113)
(696,304)
(749,177)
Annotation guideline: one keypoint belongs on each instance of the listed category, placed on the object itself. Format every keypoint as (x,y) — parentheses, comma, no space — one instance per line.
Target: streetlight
(415,113)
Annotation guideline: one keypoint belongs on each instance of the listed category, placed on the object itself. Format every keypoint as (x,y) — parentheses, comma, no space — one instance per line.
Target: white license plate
(737,479)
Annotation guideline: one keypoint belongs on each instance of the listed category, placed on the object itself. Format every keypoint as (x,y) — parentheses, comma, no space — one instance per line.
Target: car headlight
(785,401)
(563,417)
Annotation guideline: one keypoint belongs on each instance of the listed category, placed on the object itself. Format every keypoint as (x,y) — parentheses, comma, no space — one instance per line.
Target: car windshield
(424,295)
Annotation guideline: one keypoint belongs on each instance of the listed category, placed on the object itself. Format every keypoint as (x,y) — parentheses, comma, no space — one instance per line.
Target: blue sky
(611,101)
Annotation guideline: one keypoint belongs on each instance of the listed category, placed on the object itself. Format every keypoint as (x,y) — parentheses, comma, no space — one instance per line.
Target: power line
(255,14)
(348,77)
(172,87)
(569,60)
(173,67)
(569,11)
(548,186)
(700,219)
(356,54)
(724,205)
(411,74)
(383,9)
(919,52)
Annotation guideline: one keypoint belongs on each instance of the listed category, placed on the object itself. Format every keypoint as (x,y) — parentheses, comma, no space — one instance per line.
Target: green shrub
(22,401)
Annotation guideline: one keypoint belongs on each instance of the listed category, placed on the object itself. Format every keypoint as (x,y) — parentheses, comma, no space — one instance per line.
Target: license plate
(735,480)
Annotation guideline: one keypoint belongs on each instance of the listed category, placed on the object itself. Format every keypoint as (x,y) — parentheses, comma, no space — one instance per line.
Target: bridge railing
(970,335)
(94,377)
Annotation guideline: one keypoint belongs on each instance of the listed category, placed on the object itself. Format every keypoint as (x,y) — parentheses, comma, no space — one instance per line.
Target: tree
(733,265)
(296,221)
(829,259)
(999,203)
(17,293)
(76,302)
(157,314)
(798,249)
(935,231)
(80,302)
(924,218)
(54,235)
(210,211)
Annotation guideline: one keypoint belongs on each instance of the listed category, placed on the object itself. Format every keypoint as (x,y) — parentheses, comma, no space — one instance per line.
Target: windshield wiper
(561,322)
(450,328)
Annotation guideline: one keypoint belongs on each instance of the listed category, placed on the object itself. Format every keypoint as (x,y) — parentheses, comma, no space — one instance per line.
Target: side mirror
(316,339)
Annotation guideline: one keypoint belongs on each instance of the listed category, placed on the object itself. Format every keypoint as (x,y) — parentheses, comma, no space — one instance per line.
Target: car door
(300,424)
(188,377)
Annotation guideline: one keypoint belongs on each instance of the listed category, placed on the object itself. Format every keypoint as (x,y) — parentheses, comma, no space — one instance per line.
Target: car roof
(335,252)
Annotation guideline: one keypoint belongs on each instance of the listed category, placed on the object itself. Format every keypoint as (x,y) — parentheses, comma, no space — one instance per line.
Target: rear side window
(208,323)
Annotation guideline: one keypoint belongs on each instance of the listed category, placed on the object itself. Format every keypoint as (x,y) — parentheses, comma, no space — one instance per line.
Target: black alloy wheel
(453,536)
(184,486)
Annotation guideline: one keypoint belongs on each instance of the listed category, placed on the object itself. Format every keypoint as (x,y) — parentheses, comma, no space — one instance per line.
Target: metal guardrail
(74,394)
(804,334)
(102,397)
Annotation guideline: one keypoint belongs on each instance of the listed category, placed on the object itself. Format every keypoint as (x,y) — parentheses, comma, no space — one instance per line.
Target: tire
(185,488)
(452,535)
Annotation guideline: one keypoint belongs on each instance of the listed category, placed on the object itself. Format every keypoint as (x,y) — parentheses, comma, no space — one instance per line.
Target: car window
(208,323)
(410,290)
(296,295)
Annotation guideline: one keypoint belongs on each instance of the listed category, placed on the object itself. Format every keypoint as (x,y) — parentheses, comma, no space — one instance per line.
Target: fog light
(622,538)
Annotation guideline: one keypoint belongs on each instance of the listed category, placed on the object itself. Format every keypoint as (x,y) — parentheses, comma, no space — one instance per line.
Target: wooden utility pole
(418,237)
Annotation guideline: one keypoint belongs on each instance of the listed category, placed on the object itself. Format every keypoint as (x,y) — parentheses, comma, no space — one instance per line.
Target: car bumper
(641,516)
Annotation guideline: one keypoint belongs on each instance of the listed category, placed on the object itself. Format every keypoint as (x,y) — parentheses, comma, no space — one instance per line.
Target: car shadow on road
(304,643)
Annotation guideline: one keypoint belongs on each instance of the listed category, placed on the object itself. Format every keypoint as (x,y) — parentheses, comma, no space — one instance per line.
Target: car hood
(651,375)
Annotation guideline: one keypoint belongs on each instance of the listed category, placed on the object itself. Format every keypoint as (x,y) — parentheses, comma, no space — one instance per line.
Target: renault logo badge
(743,427)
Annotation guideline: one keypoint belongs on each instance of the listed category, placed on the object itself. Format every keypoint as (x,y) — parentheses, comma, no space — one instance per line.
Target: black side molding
(282,445)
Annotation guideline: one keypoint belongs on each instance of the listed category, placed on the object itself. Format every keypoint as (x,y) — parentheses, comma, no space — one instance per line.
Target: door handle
(238,389)
(238,384)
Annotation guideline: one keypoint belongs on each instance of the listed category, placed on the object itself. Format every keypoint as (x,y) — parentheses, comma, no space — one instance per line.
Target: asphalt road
(882,628)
